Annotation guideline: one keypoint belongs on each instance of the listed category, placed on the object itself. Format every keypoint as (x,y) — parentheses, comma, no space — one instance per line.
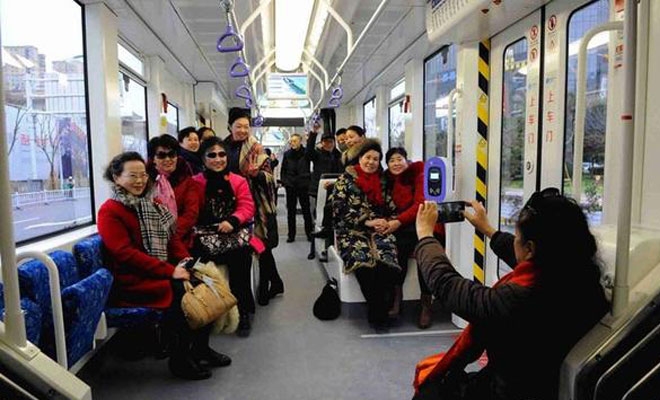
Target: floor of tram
(289,354)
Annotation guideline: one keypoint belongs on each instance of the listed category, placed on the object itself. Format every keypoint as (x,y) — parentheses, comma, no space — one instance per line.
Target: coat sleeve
(346,210)
(117,240)
(310,150)
(408,216)
(284,170)
(502,245)
(244,203)
(470,300)
(188,204)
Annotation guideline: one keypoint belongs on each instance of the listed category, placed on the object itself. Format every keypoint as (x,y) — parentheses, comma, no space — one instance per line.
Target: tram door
(532,111)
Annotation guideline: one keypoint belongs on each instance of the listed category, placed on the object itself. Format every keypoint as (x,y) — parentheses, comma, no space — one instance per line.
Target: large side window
(46,115)
(172,119)
(396,116)
(593,161)
(133,102)
(439,81)
(369,114)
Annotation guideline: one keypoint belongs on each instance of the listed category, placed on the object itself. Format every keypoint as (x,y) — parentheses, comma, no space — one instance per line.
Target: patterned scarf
(467,348)
(164,193)
(371,186)
(157,225)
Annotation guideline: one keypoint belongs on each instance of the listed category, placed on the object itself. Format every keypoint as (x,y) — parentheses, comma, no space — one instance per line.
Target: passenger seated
(556,280)
(175,187)
(361,207)
(189,148)
(224,230)
(405,183)
(147,261)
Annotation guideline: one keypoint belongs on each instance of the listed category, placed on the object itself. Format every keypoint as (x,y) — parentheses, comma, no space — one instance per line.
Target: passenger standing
(340,138)
(226,211)
(205,133)
(361,207)
(189,146)
(296,180)
(147,261)
(247,158)
(556,279)
(175,187)
(405,182)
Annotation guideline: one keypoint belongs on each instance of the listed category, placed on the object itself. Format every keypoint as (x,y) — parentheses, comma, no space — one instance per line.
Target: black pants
(376,286)
(295,195)
(239,264)
(268,269)
(406,240)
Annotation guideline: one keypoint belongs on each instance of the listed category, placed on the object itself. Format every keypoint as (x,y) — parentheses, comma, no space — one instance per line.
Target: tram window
(439,80)
(514,98)
(172,119)
(595,126)
(369,115)
(397,125)
(133,111)
(46,115)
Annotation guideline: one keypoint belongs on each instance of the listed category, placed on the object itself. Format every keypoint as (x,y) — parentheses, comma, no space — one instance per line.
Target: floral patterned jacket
(359,245)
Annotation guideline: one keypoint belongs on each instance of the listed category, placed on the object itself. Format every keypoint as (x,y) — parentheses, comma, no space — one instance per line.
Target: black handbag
(209,242)
(328,305)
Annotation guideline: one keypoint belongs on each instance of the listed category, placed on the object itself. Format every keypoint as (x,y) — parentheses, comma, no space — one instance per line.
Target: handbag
(328,305)
(210,242)
(206,302)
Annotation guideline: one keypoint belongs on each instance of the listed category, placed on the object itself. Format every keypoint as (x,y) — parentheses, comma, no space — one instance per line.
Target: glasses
(135,177)
(161,155)
(214,155)
(537,200)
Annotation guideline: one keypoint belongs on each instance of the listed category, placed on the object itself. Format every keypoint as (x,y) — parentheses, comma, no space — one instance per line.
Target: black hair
(200,132)
(340,131)
(164,140)
(395,150)
(357,129)
(236,113)
(208,143)
(185,132)
(116,166)
(268,151)
(368,145)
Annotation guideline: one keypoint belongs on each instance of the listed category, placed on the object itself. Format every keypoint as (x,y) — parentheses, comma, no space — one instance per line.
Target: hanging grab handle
(239,68)
(229,33)
(258,120)
(244,92)
(337,93)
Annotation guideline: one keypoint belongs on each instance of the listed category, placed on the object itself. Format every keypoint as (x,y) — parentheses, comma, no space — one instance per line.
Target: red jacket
(407,191)
(140,280)
(188,195)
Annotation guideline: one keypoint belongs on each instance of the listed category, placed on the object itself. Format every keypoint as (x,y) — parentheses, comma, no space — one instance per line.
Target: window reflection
(369,109)
(133,111)
(397,125)
(439,81)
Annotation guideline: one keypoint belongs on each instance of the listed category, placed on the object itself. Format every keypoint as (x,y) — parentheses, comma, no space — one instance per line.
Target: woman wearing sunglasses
(555,281)
(224,228)
(174,186)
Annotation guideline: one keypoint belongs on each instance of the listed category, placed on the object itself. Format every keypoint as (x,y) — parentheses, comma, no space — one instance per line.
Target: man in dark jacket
(295,177)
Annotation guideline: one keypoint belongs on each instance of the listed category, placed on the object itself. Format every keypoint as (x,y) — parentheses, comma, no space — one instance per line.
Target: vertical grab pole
(621,289)
(14,321)
(451,135)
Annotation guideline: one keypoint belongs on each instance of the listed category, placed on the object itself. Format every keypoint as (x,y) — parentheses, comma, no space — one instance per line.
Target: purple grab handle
(337,93)
(238,42)
(333,102)
(258,120)
(248,103)
(239,68)
(244,92)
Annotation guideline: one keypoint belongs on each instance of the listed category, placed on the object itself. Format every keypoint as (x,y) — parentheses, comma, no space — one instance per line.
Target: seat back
(32,313)
(89,255)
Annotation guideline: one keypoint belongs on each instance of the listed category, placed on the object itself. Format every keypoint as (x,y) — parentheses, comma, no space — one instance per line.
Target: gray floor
(290,354)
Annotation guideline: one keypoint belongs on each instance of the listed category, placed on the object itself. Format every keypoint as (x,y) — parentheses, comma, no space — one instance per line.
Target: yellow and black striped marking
(482,155)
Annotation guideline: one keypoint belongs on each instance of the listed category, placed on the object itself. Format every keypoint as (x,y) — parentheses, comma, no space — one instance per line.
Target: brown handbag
(206,302)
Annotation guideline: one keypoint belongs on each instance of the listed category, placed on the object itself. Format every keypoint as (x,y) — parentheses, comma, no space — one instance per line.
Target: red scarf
(466,348)
(370,185)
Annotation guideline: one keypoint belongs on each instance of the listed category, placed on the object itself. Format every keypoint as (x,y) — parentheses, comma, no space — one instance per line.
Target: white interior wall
(414,136)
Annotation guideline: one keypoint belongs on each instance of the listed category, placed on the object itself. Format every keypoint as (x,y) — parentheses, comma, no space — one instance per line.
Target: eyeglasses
(135,177)
(214,155)
(161,155)
(536,201)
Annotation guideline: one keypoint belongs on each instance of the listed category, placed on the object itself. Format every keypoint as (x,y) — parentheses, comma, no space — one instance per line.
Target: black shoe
(275,289)
(262,295)
(290,240)
(185,367)
(311,255)
(211,358)
(309,238)
(244,326)
(322,234)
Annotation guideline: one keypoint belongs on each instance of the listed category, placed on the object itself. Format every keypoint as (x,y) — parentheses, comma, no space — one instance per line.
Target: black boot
(276,287)
(205,355)
(244,326)
(181,362)
(262,294)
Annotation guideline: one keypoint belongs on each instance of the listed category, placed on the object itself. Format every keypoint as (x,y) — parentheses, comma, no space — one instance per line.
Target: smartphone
(451,211)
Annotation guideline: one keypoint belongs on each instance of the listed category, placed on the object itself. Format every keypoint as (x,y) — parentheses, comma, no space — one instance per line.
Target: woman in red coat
(175,187)
(147,261)
(406,184)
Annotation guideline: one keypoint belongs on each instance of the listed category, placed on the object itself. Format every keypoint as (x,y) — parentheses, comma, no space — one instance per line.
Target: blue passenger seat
(89,255)
(83,300)
(32,313)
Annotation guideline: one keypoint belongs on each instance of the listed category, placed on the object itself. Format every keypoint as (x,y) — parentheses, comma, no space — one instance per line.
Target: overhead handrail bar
(349,32)
(451,131)
(253,17)
(621,287)
(55,301)
(262,73)
(316,62)
(262,62)
(318,78)
(581,102)
(349,54)
(639,384)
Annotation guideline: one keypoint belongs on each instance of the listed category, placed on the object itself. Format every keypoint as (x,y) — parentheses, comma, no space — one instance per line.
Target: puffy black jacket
(325,162)
(295,169)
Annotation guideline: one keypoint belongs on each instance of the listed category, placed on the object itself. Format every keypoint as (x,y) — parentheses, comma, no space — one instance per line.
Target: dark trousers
(294,196)
(376,286)
(268,269)
(239,264)
(406,240)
